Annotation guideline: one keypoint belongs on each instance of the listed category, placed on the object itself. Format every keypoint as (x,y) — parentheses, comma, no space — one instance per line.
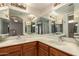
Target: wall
(4,14)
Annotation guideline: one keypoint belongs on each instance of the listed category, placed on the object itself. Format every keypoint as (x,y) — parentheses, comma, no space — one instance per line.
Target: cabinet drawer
(56,52)
(43,46)
(3,51)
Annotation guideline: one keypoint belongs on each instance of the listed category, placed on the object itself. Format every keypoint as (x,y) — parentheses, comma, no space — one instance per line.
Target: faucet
(60,38)
(18,36)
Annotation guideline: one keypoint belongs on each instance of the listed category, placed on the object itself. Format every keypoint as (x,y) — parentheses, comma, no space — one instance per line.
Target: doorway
(40,29)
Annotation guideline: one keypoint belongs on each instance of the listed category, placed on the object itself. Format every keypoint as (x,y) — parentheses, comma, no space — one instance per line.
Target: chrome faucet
(19,36)
(60,38)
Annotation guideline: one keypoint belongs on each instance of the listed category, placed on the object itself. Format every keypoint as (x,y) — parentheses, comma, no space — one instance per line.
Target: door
(40,31)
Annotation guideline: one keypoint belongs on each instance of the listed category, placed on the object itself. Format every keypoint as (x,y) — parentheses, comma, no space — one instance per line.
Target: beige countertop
(65,46)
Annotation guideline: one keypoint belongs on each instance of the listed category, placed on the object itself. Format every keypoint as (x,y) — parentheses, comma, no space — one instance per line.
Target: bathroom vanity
(31,48)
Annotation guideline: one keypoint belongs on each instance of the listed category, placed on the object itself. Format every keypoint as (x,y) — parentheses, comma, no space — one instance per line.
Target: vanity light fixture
(76,24)
(71,21)
(33,25)
(52,23)
(15,20)
(55,13)
(28,23)
(8,25)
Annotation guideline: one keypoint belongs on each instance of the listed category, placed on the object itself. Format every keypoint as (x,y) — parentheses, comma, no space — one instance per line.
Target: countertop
(65,46)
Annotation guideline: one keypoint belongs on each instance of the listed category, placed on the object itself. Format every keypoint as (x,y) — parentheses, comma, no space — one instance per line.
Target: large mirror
(15,26)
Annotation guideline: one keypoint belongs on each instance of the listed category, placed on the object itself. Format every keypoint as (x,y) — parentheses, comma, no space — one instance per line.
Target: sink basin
(56,42)
(2,40)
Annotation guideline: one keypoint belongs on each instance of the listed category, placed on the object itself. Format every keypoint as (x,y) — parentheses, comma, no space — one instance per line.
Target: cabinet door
(43,46)
(42,52)
(30,52)
(11,50)
(17,53)
(56,52)
(42,49)
(3,52)
(30,49)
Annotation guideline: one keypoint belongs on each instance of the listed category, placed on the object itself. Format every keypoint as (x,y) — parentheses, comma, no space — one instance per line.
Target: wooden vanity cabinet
(46,50)
(56,52)
(29,49)
(42,49)
(11,51)
(35,48)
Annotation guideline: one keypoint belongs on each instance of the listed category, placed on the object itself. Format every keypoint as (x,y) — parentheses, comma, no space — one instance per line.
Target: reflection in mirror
(76,18)
(75,27)
(4,26)
(71,25)
(42,25)
(32,27)
(58,23)
(53,27)
(59,28)
(25,27)
(15,26)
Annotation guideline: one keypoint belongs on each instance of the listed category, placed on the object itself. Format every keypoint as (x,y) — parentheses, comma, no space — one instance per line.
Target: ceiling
(42,9)
(65,9)
(39,9)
